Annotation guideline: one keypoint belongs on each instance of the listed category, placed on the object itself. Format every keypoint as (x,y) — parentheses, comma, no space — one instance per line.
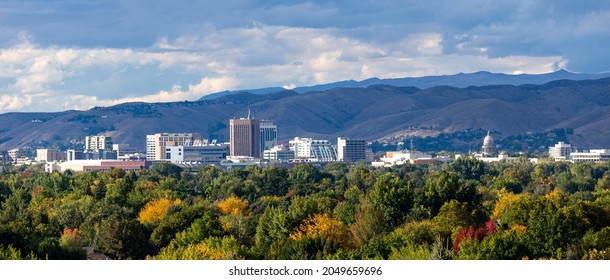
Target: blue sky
(79,54)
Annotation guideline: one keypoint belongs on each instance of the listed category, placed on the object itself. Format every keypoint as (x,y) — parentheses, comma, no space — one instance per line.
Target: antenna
(412,145)
(249,114)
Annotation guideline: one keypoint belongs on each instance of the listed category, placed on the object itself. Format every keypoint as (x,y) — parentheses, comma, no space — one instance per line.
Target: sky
(77,54)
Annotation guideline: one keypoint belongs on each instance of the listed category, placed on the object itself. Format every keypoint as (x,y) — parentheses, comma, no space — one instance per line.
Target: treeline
(463,210)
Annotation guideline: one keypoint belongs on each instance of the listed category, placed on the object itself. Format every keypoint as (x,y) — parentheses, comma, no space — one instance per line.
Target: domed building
(489,147)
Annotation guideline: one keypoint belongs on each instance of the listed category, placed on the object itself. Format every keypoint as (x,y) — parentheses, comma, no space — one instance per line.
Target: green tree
(177,219)
(444,186)
(469,168)
(122,238)
(393,197)
(271,232)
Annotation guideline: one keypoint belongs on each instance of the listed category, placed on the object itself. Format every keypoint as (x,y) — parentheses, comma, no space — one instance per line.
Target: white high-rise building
(96,143)
(314,150)
(561,151)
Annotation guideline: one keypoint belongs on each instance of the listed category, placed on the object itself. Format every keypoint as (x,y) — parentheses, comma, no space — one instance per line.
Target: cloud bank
(73,56)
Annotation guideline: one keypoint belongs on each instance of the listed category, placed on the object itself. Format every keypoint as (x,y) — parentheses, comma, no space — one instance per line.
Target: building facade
(268,135)
(14,154)
(278,153)
(73,154)
(49,155)
(95,143)
(245,137)
(399,158)
(594,155)
(561,151)
(200,154)
(156,143)
(3,156)
(351,150)
(97,165)
(314,150)
(123,150)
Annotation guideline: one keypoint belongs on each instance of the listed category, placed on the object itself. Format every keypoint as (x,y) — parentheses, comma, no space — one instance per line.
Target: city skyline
(66,55)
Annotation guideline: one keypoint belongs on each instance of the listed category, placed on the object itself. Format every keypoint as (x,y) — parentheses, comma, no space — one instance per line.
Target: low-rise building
(402,157)
(279,153)
(594,155)
(312,150)
(91,165)
(205,154)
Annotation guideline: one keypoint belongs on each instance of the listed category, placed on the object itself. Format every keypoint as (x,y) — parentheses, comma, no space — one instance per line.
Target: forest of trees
(462,210)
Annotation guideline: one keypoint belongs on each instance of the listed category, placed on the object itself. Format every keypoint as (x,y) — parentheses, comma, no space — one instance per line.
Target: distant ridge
(461,80)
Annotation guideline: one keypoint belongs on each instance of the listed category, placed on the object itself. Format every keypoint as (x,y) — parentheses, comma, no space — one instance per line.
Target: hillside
(369,113)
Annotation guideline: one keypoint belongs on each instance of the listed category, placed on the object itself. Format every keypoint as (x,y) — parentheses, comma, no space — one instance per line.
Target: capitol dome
(488,145)
(488,140)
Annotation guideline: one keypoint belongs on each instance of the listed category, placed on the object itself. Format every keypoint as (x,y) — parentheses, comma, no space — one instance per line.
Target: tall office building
(156,143)
(351,150)
(245,137)
(268,135)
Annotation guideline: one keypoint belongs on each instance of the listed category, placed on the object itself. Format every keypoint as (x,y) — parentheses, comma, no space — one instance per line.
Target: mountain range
(461,80)
(365,112)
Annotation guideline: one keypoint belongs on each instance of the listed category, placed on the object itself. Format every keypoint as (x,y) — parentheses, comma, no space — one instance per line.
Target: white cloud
(193,92)
(37,78)
(14,102)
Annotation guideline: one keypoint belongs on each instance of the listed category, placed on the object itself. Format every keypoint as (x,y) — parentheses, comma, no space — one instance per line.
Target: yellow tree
(154,211)
(234,209)
(504,201)
(323,226)
(233,206)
